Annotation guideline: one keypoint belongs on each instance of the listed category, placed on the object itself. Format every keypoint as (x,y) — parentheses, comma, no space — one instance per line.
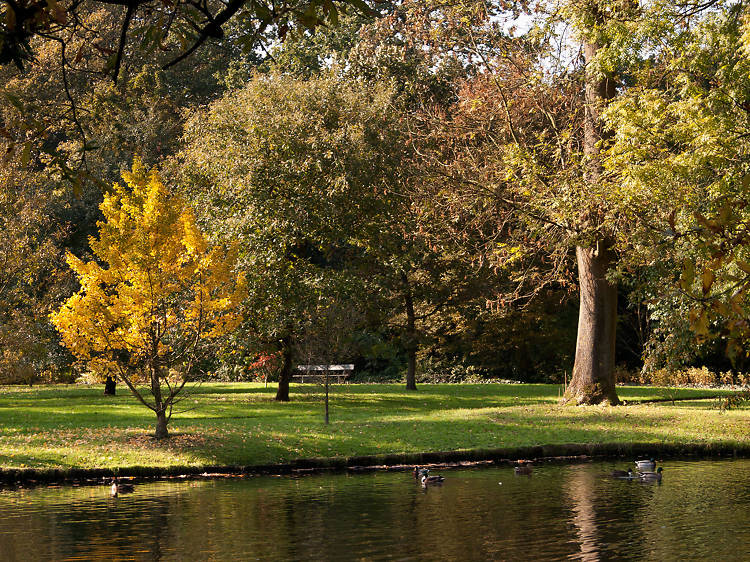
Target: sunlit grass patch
(241,424)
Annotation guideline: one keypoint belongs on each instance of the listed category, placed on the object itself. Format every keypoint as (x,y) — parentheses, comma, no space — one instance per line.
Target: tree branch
(123,38)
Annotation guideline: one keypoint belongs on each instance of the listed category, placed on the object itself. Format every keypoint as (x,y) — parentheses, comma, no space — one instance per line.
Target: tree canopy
(156,299)
(156,24)
(450,174)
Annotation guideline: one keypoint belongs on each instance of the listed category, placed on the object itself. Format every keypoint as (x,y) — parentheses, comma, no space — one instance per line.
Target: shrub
(435,370)
(692,376)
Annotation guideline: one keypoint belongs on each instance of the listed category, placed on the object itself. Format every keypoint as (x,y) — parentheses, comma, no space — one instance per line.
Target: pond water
(700,510)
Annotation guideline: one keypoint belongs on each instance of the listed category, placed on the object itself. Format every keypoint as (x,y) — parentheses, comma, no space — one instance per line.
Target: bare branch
(123,39)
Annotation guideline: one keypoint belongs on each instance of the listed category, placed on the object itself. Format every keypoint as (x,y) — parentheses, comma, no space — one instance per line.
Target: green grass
(241,424)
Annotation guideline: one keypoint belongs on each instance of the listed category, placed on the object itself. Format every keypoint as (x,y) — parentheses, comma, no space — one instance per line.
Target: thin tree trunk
(327,419)
(411,336)
(287,366)
(593,379)
(159,406)
(161,424)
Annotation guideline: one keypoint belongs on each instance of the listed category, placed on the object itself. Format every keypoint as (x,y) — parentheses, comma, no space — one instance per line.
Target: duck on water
(525,469)
(645,465)
(651,476)
(647,471)
(423,475)
(118,488)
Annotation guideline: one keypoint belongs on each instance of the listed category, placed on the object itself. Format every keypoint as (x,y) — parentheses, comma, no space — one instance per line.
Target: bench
(339,372)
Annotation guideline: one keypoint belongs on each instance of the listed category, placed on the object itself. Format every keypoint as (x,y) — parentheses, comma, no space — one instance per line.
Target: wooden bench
(339,372)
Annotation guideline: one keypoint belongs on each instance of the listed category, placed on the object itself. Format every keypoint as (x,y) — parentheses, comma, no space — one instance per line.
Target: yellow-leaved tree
(156,300)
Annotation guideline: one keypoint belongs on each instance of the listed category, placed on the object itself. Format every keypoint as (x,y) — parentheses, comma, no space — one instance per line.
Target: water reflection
(700,510)
(581,492)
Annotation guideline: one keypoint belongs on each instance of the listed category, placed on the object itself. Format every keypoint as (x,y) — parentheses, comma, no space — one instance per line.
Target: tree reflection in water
(581,491)
(560,512)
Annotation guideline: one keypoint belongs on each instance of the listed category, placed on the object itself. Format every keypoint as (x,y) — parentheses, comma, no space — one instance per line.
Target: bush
(737,400)
(379,359)
(692,376)
(262,367)
(434,370)
(625,376)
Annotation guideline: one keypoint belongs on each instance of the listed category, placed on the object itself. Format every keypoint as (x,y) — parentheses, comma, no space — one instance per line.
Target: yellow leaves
(505,255)
(746,35)
(137,175)
(194,241)
(158,284)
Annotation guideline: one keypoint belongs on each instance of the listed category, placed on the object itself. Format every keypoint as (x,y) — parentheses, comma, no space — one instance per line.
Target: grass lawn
(241,424)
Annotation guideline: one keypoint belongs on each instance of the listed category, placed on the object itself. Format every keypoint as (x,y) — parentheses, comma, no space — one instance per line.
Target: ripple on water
(700,510)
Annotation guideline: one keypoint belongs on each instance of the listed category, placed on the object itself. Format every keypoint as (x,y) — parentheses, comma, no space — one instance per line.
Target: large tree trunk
(287,367)
(593,379)
(411,336)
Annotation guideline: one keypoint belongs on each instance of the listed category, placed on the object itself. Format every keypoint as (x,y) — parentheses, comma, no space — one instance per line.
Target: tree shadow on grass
(498,430)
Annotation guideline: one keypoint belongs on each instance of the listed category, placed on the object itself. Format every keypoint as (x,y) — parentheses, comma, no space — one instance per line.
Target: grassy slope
(240,424)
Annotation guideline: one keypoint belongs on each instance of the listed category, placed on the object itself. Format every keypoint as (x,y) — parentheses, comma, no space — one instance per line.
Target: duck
(651,476)
(418,472)
(523,469)
(623,473)
(118,488)
(427,479)
(645,465)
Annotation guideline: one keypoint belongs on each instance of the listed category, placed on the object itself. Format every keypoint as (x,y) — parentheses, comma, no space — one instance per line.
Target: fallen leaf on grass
(177,441)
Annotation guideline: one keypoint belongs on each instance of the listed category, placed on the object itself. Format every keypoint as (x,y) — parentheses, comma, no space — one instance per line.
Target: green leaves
(332,11)
(688,275)
(680,155)
(261,11)
(707,281)
(14,100)
(293,165)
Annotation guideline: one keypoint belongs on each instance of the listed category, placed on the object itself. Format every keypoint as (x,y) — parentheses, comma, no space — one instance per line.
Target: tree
(46,121)
(593,378)
(63,112)
(23,23)
(78,44)
(157,298)
(314,175)
(518,160)
(29,279)
(501,162)
(681,144)
(291,170)
(326,343)
(273,166)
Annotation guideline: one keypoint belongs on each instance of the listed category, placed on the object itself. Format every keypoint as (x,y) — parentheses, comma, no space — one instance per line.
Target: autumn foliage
(155,299)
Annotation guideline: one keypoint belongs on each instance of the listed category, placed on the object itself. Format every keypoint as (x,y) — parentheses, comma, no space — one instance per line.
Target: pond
(700,510)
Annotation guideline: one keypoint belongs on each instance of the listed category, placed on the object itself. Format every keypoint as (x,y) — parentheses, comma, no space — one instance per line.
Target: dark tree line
(459,183)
